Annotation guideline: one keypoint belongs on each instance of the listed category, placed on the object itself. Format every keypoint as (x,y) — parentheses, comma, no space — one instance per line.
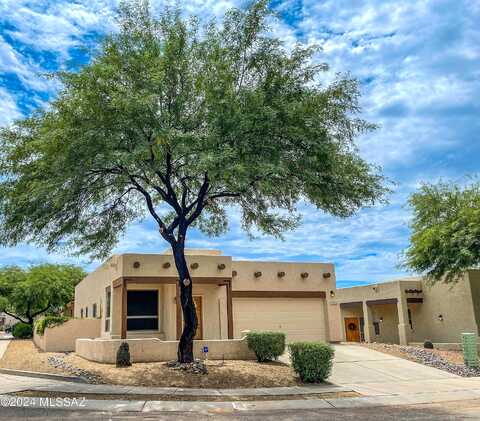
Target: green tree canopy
(28,293)
(180,122)
(445,239)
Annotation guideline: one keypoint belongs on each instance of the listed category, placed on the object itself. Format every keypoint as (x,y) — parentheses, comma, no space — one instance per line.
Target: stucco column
(116,317)
(403,325)
(368,322)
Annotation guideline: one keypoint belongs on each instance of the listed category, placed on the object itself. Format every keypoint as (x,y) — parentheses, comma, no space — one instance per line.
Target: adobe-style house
(407,311)
(136,296)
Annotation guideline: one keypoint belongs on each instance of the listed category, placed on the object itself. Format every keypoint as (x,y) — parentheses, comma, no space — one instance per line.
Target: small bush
(266,345)
(428,345)
(312,361)
(49,321)
(22,331)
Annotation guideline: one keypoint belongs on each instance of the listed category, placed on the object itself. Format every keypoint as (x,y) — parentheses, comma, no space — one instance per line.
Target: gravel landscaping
(451,361)
(24,355)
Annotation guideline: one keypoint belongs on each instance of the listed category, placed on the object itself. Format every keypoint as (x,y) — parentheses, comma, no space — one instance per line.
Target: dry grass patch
(24,355)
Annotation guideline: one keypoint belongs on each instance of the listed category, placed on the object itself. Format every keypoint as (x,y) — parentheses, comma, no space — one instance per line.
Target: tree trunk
(190,322)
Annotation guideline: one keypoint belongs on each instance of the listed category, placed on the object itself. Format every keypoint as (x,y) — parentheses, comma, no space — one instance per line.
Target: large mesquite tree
(180,123)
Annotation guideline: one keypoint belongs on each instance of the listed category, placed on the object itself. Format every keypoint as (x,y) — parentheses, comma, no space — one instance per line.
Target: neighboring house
(407,311)
(6,321)
(136,296)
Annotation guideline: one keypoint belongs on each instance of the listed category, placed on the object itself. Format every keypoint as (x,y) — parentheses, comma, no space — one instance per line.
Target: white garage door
(302,319)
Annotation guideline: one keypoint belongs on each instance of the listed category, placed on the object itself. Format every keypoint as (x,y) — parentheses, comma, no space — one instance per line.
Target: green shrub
(266,345)
(428,345)
(22,331)
(49,321)
(312,361)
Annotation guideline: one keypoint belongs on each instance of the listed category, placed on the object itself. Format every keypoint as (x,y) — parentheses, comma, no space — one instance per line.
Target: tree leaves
(167,115)
(445,239)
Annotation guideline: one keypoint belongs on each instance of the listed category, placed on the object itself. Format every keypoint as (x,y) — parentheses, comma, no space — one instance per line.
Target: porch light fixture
(281,274)
(257,274)
(327,275)
(304,275)
(166,265)
(136,265)
(234,273)
(380,319)
(221,266)
(375,289)
(332,293)
(194,265)
(440,318)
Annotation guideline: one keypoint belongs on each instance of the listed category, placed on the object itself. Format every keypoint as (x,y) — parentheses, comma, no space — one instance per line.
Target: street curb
(37,375)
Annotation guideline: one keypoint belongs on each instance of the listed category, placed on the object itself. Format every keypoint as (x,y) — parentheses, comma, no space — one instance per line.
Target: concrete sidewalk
(383,380)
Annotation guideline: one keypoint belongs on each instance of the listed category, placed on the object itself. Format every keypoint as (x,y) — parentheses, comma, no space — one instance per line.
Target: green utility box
(470,349)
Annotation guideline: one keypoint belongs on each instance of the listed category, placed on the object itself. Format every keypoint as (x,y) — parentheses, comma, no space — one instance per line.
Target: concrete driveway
(374,373)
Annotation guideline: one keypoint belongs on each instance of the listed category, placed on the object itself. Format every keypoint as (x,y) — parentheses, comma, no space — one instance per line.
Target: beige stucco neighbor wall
(62,338)
(453,303)
(155,350)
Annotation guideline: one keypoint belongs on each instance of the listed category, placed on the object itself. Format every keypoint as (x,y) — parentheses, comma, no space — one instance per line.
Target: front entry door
(352,329)
(199,310)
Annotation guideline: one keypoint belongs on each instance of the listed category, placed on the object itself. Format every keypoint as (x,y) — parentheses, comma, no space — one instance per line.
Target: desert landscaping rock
(59,363)
(427,357)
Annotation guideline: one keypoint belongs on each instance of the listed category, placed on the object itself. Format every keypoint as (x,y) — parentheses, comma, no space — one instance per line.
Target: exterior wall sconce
(327,275)
(281,274)
(257,274)
(332,293)
(166,265)
(380,319)
(440,318)
(221,266)
(375,289)
(136,265)
(304,275)
(194,266)
(234,273)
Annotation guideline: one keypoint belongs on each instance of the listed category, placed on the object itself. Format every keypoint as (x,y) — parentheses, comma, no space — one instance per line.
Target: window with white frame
(142,310)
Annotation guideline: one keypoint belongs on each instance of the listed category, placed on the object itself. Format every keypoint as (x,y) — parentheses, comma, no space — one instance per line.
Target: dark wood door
(352,329)
(199,310)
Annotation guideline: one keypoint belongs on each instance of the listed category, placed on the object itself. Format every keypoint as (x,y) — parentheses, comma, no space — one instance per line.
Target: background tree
(445,239)
(28,293)
(182,123)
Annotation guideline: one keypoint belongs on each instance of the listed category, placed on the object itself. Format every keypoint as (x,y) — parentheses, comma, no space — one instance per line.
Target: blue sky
(419,67)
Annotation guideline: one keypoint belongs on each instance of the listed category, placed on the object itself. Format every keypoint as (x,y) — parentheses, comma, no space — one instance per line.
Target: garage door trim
(278,294)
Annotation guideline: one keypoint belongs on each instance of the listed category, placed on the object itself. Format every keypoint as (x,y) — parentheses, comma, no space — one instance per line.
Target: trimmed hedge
(49,321)
(22,331)
(266,345)
(312,361)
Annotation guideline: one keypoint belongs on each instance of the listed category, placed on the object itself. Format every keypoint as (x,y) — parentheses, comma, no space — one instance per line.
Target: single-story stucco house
(134,297)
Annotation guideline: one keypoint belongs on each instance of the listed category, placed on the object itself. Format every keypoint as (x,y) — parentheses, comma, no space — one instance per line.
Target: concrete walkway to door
(374,373)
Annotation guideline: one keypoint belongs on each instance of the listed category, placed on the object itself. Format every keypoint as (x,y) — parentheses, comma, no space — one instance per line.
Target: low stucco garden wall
(156,350)
(62,338)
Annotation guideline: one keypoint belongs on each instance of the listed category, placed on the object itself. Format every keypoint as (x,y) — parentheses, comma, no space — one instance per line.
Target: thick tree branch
(41,311)
(14,316)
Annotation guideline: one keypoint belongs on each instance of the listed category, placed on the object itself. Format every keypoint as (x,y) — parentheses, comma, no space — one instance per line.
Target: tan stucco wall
(454,303)
(215,323)
(151,349)
(62,338)
(292,281)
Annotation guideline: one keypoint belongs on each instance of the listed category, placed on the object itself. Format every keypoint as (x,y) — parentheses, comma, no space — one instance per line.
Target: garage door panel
(298,318)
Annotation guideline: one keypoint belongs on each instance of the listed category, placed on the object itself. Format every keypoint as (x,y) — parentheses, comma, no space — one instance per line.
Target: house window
(81,313)
(86,312)
(94,310)
(410,322)
(108,299)
(142,310)
(376,326)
